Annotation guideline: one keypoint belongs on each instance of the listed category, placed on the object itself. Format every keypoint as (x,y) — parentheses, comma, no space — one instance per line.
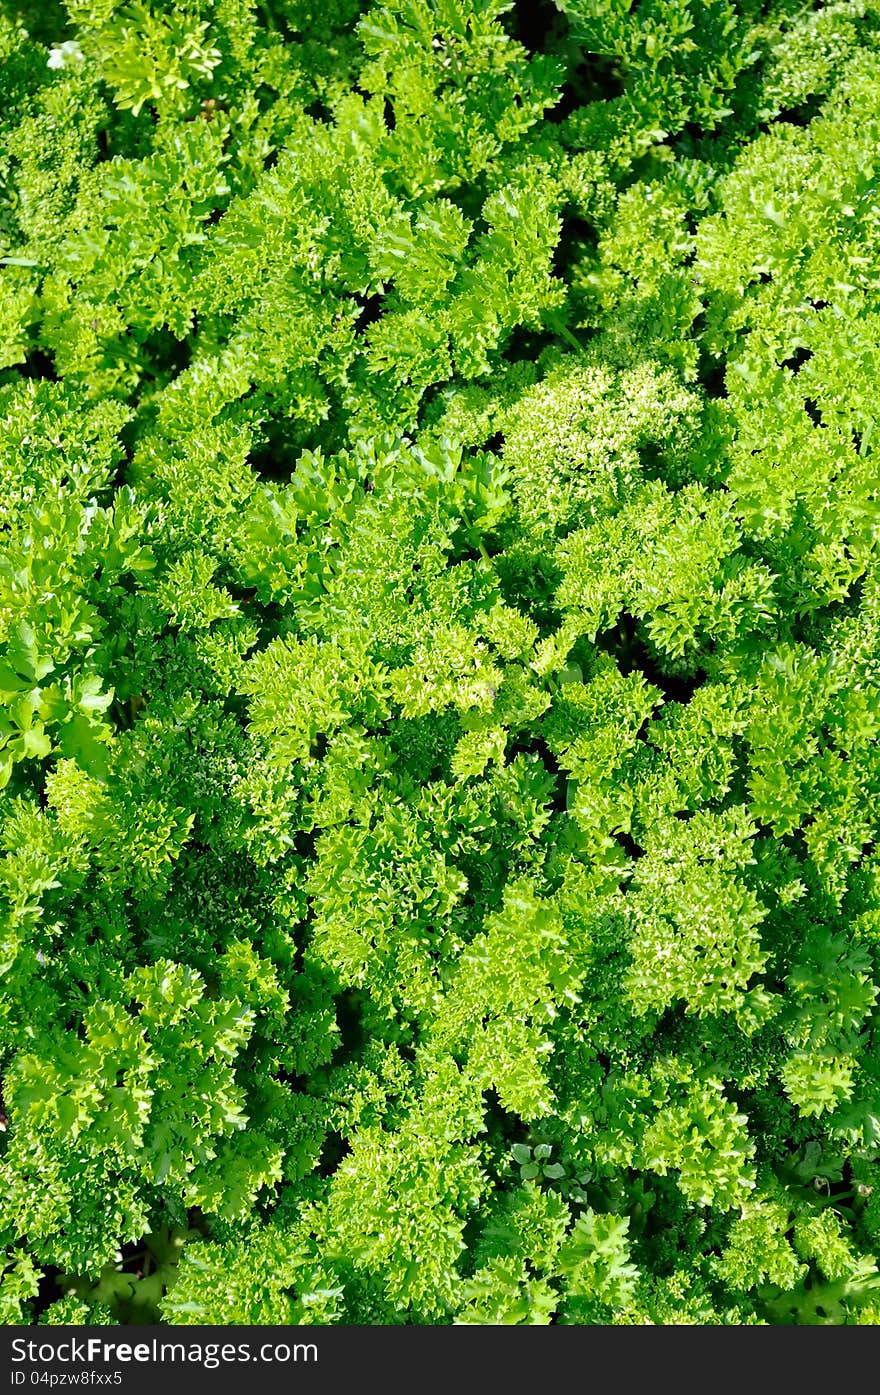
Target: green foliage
(439,663)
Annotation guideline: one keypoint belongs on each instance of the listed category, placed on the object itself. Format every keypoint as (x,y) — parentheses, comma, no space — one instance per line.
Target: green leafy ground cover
(439,661)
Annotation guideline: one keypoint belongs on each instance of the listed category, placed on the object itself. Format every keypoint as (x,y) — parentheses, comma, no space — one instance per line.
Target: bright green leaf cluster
(439,662)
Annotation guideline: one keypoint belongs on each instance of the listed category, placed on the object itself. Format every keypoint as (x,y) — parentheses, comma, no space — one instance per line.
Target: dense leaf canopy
(439,661)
